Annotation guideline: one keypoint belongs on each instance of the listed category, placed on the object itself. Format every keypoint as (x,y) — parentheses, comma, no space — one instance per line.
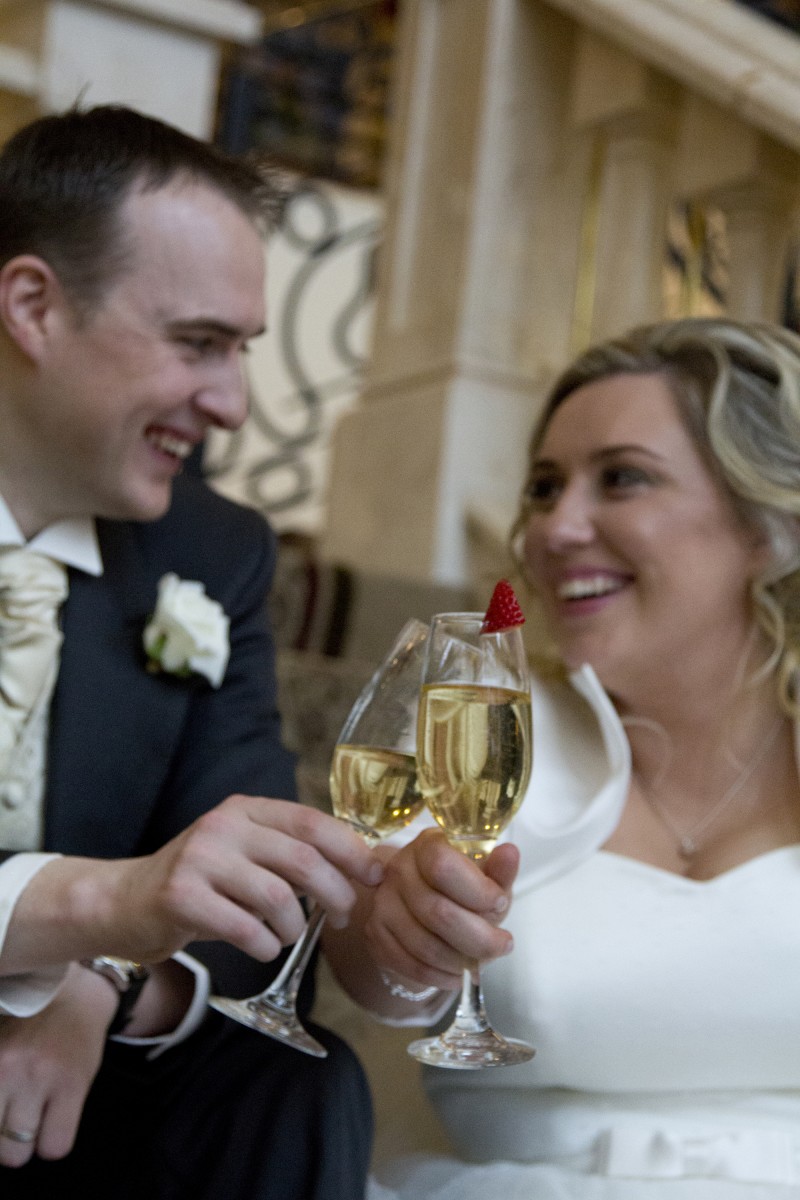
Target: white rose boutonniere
(188,632)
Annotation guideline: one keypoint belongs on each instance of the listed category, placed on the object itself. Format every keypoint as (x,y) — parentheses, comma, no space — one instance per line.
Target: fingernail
(375,874)
(501,906)
(509,946)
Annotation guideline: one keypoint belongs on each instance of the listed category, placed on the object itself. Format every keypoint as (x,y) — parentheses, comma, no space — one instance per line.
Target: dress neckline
(749,863)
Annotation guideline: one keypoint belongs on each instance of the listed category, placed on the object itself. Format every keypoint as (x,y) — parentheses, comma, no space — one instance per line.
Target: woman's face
(639,557)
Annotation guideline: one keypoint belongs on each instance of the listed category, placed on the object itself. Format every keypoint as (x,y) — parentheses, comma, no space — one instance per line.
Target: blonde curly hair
(737,387)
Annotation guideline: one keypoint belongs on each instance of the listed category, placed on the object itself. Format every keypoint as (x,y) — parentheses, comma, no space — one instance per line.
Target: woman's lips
(590,586)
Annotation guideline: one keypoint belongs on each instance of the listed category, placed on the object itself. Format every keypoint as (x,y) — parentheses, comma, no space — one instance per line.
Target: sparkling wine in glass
(474,747)
(373,782)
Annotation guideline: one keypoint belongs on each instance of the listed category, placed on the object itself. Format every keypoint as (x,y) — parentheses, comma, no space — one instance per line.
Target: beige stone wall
(538,150)
(161,56)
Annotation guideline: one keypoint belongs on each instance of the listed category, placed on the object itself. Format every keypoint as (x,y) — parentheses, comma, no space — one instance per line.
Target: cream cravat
(32,590)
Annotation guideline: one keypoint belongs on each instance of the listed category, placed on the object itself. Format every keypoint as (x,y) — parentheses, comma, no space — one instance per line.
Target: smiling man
(142,812)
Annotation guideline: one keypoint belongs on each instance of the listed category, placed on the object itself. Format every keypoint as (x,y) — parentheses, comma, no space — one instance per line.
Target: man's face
(121,399)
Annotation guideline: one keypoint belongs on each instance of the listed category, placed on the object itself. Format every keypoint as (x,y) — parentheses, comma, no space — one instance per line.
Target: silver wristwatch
(127,976)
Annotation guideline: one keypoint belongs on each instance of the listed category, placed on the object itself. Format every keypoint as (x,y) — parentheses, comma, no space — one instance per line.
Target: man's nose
(224,400)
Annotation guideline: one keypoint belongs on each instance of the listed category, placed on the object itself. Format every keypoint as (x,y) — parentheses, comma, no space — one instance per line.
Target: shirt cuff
(191,1019)
(26,994)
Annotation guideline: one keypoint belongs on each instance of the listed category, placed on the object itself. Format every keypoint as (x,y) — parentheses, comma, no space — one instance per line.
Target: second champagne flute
(373,784)
(474,762)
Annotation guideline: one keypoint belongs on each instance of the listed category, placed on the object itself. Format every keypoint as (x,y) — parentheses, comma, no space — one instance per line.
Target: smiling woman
(656,964)
(640,559)
(725,395)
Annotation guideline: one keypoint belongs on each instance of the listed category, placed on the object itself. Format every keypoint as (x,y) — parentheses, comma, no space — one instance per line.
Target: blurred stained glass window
(314,96)
(785,12)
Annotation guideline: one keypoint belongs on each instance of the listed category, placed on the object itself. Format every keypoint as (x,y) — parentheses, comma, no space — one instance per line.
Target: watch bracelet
(116,970)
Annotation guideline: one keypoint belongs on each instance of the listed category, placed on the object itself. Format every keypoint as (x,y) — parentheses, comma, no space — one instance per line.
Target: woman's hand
(436,910)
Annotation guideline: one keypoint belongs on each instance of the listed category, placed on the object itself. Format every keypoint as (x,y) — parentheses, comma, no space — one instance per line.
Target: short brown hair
(64,178)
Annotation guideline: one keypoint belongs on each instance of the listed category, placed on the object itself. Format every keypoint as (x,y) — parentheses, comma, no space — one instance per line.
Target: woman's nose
(570,522)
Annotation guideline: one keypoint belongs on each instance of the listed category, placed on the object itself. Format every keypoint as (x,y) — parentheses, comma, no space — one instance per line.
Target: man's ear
(30,294)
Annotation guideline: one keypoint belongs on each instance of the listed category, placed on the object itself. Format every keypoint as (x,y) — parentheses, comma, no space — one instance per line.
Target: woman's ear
(29,293)
(777,552)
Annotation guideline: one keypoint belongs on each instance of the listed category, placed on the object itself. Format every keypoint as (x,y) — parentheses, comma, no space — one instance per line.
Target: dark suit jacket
(135,757)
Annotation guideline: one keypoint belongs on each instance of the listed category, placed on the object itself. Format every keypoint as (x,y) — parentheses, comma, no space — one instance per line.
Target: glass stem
(470,1014)
(282,992)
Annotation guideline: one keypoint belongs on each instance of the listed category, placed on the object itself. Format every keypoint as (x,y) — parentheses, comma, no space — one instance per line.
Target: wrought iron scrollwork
(278,476)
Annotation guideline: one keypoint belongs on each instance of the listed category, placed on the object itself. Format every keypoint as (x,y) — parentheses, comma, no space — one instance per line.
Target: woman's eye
(543,491)
(623,479)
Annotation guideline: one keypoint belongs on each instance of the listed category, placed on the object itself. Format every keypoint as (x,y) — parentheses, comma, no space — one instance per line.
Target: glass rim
(462,615)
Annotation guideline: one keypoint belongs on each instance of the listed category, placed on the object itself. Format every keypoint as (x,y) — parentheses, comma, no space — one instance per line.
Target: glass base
(259,1014)
(462,1051)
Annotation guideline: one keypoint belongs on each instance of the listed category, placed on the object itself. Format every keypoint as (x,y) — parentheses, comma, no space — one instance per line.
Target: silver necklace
(688,839)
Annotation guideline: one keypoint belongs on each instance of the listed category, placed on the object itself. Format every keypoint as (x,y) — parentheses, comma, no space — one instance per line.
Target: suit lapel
(113,725)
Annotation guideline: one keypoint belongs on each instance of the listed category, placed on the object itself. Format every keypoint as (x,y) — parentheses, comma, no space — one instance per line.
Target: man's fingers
(60,1125)
(333,839)
(19,1130)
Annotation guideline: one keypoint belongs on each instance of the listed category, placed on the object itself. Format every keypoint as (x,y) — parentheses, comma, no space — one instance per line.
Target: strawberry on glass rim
(504,611)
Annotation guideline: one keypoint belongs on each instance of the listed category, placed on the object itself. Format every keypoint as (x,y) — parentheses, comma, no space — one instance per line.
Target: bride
(650,951)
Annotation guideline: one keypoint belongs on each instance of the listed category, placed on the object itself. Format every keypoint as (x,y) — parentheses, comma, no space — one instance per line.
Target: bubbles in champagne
(473,759)
(375,790)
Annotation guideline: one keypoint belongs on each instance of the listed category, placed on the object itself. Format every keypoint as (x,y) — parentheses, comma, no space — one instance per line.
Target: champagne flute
(473,761)
(373,784)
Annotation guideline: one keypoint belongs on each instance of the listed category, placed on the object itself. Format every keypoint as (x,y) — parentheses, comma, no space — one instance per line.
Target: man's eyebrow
(212,325)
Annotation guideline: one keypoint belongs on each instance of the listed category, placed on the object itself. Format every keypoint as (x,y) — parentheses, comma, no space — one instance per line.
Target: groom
(145,801)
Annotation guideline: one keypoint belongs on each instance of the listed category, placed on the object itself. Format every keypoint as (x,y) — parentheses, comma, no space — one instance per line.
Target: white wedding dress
(665,1013)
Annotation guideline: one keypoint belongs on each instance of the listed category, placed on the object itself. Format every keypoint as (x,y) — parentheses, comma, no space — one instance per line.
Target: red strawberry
(504,611)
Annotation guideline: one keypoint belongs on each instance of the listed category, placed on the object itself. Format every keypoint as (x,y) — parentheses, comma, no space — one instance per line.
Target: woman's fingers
(436,911)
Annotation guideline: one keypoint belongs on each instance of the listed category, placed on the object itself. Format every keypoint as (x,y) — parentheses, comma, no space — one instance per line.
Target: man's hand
(234,875)
(47,1065)
(436,910)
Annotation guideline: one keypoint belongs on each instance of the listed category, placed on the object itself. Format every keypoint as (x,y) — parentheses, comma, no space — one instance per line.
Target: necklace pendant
(687,847)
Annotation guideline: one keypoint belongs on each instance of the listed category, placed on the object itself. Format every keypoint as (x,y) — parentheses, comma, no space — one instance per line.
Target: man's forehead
(181,201)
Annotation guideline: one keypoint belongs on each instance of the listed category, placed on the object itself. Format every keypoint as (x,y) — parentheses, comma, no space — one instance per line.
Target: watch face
(128,977)
(127,967)
(122,972)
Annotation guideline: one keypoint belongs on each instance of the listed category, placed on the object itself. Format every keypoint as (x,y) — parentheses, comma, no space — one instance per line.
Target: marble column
(476,284)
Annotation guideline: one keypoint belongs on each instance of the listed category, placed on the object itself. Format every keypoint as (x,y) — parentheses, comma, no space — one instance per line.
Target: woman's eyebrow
(552,464)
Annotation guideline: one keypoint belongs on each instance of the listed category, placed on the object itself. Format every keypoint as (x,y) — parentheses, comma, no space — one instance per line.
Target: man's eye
(200,345)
